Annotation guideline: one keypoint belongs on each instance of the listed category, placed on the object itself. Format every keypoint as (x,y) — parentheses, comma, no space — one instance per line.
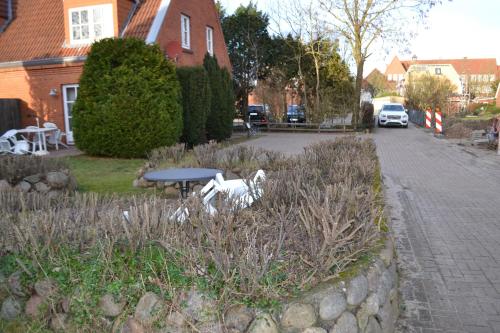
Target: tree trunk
(316,64)
(357,93)
(244,104)
(302,90)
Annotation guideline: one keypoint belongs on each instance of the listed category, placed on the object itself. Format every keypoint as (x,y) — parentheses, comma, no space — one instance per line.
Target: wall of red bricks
(202,13)
(32,87)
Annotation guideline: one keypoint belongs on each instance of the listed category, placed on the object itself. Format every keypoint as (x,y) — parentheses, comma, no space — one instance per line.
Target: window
(186,32)
(70,93)
(210,41)
(492,78)
(438,71)
(88,24)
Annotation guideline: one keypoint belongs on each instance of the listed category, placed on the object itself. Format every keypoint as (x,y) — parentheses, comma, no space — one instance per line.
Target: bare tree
(363,23)
(303,21)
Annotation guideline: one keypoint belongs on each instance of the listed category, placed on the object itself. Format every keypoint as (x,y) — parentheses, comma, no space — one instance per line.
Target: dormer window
(88,24)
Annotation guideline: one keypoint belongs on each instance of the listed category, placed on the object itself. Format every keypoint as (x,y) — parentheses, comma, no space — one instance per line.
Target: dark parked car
(296,114)
(257,115)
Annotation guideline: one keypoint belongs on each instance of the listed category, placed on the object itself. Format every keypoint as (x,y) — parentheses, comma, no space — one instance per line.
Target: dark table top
(179,175)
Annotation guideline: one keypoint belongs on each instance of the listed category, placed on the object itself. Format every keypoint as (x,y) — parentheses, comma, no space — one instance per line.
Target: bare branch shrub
(316,216)
(15,168)
(160,155)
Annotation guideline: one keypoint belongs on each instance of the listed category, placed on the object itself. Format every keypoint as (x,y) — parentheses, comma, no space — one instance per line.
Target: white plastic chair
(21,147)
(18,147)
(35,140)
(5,146)
(241,192)
(54,138)
(11,136)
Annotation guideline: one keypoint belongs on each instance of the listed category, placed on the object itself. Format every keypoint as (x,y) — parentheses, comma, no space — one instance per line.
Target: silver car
(393,114)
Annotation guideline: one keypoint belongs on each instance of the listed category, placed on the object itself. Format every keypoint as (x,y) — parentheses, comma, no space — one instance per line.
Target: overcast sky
(457,29)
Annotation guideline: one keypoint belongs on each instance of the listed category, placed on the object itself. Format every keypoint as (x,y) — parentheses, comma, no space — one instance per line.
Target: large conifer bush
(196,102)
(128,102)
(222,109)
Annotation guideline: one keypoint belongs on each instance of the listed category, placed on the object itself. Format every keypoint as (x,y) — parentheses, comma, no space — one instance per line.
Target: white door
(70,93)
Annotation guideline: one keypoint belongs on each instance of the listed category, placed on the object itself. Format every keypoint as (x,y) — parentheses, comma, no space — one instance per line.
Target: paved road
(445,208)
(446,217)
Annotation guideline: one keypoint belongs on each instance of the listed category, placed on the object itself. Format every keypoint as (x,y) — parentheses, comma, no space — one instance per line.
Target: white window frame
(210,41)
(107,24)
(185,32)
(67,116)
(438,71)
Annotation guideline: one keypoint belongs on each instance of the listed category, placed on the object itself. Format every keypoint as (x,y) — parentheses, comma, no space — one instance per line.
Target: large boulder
(332,306)
(132,326)
(5,186)
(57,180)
(299,315)
(23,186)
(200,307)
(346,324)
(36,307)
(357,290)
(42,188)
(58,322)
(238,317)
(33,179)
(109,307)
(15,285)
(11,308)
(264,323)
(46,288)
(148,308)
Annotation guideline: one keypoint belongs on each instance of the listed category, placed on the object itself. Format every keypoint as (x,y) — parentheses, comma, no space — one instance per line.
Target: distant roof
(37,32)
(462,66)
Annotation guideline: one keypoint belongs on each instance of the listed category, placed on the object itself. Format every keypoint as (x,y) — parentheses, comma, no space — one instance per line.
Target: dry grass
(15,168)
(316,216)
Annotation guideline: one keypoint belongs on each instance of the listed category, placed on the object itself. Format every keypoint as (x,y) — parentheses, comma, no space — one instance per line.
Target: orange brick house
(497,96)
(43,44)
(478,73)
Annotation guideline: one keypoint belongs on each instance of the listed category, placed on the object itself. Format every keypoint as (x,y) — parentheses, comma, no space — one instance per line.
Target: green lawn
(113,175)
(105,175)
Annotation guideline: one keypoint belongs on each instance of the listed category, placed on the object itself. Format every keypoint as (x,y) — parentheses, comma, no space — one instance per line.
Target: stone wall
(51,184)
(367,302)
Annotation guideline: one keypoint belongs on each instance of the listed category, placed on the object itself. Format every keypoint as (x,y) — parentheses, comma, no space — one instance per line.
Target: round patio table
(182,176)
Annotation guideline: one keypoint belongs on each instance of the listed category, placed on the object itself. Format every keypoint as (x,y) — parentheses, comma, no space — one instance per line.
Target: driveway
(444,203)
(446,218)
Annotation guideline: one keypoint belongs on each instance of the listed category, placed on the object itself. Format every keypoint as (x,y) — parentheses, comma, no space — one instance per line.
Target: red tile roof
(37,32)
(143,19)
(462,66)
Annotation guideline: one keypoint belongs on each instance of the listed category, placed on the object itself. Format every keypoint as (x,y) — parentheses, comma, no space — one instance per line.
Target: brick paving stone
(445,214)
(445,211)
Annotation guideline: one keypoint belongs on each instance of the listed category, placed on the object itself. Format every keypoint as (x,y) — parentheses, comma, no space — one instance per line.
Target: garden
(89,245)
(72,262)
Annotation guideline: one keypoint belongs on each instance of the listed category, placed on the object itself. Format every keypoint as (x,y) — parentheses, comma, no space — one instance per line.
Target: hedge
(196,100)
(128,102)
(222,109)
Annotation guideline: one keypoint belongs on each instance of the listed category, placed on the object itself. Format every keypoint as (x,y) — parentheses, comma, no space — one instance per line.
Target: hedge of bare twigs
(316,216)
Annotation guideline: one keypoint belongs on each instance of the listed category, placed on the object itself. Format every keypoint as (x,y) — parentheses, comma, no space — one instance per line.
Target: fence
(417,117)
(10,114)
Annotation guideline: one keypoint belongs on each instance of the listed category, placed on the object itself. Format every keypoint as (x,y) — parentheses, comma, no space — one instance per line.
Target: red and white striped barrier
(428,118)
(439,123)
